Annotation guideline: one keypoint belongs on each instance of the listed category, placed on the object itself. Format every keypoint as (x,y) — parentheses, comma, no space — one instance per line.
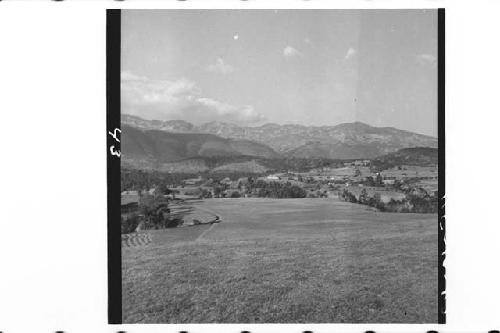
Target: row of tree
(279,190)
(261,189)
(141,179)
(410,204)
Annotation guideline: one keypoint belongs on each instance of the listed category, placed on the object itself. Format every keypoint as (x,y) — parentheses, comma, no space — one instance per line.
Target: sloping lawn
(286,261)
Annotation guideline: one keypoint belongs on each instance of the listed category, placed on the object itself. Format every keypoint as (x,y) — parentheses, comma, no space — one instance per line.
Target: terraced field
(136,239)
(286,261)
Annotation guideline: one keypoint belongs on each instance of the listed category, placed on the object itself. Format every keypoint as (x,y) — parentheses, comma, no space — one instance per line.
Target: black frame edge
(113,49)
(441,168)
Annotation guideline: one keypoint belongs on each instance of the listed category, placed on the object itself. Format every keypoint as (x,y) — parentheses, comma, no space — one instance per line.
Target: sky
(308,67)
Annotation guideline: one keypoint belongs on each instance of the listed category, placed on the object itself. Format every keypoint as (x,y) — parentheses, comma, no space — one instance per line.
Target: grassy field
(286,261)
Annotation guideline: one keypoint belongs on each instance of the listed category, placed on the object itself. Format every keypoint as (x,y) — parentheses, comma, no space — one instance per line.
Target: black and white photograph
(279,166)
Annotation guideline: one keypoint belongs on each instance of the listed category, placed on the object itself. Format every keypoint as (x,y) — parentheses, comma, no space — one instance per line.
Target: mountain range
(343,141)
(174,152)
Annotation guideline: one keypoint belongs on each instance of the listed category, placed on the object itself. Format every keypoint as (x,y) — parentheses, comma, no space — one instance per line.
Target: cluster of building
(317,183)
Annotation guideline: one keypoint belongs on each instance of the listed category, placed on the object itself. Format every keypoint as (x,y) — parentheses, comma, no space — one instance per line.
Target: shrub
(129,223)
(348,196)
(206,193)
(363,197)
(279,190)
(422,204)
(378,203)
(156,213)
(412,203)
(235,194)
(172,223)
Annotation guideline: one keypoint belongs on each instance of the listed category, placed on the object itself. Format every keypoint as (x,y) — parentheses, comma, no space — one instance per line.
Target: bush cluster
(129,223)
(410,204)
(279,190)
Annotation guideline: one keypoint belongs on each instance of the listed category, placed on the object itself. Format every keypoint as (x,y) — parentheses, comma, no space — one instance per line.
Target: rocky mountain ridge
(344,141)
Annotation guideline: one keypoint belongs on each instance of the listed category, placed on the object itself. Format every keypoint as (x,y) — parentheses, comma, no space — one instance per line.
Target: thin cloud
(179,99)
(426,58)
(350,53)
(290,51)
(220,67)
(129,76)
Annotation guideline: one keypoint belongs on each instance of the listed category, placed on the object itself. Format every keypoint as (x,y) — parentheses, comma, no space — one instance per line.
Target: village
(322,182)
(354,182)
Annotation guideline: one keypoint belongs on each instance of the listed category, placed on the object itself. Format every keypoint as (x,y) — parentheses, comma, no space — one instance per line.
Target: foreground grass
(286,261)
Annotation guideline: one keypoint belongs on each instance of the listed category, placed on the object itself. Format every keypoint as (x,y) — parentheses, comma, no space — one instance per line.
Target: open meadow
(286,261)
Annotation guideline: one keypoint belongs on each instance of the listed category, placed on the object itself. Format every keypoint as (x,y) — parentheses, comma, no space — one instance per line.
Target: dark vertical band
(441,168)
(113,48)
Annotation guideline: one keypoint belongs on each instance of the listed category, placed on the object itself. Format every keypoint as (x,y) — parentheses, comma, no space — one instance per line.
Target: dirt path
(205,232)
(206,210)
